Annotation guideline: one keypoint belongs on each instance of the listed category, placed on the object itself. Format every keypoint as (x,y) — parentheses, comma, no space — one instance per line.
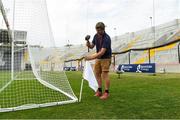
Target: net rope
(31,72)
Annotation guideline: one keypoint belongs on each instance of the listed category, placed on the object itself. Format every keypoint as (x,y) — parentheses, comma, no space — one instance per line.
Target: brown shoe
(104,96)
(98,94)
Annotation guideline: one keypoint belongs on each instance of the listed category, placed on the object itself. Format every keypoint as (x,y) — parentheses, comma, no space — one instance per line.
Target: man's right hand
(88,44)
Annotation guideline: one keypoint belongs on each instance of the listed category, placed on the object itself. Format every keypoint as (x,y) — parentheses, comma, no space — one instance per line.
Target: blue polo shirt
(103,42)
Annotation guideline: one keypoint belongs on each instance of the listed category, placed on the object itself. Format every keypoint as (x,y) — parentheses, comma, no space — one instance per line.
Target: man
(102,41)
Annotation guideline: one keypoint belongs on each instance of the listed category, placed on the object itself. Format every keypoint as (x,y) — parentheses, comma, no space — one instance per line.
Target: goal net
(31,73)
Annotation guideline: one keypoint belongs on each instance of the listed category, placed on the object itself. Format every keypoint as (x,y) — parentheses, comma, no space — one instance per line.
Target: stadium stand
(165,57)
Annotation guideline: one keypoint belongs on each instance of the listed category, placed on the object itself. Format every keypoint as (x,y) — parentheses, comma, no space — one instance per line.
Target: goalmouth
(31,73)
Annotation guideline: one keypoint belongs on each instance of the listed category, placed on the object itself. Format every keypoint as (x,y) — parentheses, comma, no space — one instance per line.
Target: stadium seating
(165,57)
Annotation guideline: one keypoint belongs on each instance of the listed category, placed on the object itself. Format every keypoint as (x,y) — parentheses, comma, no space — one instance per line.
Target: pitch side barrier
(72,67)
(149,49)
(129,55)
(143,68)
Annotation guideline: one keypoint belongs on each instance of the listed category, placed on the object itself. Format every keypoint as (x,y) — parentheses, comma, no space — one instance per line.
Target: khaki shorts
(102,65)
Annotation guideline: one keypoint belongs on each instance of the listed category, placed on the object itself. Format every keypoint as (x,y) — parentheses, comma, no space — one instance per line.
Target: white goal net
(31,73)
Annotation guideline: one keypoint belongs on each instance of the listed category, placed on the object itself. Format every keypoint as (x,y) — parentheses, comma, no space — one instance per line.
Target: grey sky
(73,19)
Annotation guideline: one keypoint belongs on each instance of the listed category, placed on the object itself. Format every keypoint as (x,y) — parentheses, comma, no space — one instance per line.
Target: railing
(149,49)
(179,52)
(130,53)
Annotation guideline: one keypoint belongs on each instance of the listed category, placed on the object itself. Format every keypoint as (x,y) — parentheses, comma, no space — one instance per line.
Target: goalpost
(31,73)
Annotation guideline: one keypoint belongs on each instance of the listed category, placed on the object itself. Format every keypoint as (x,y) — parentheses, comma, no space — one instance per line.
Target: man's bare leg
(99,80)
(105,76)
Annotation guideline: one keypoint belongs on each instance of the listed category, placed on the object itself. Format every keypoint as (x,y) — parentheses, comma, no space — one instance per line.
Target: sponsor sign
(138,68)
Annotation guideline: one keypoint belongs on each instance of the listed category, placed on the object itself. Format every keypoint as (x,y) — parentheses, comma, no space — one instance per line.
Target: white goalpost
(31,73)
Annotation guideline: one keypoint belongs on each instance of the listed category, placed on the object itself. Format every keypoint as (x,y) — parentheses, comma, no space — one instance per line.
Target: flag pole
(81,90)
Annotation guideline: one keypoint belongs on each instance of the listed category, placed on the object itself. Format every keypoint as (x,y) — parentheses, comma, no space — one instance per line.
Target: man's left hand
(87,58)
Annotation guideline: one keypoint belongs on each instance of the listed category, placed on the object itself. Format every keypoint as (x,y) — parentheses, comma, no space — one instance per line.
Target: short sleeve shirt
(103,42)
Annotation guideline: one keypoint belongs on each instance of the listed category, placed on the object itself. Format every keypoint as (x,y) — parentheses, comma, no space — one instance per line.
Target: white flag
(90,77)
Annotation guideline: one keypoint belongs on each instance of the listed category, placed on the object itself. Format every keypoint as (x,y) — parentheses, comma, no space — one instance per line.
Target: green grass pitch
(132,96)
